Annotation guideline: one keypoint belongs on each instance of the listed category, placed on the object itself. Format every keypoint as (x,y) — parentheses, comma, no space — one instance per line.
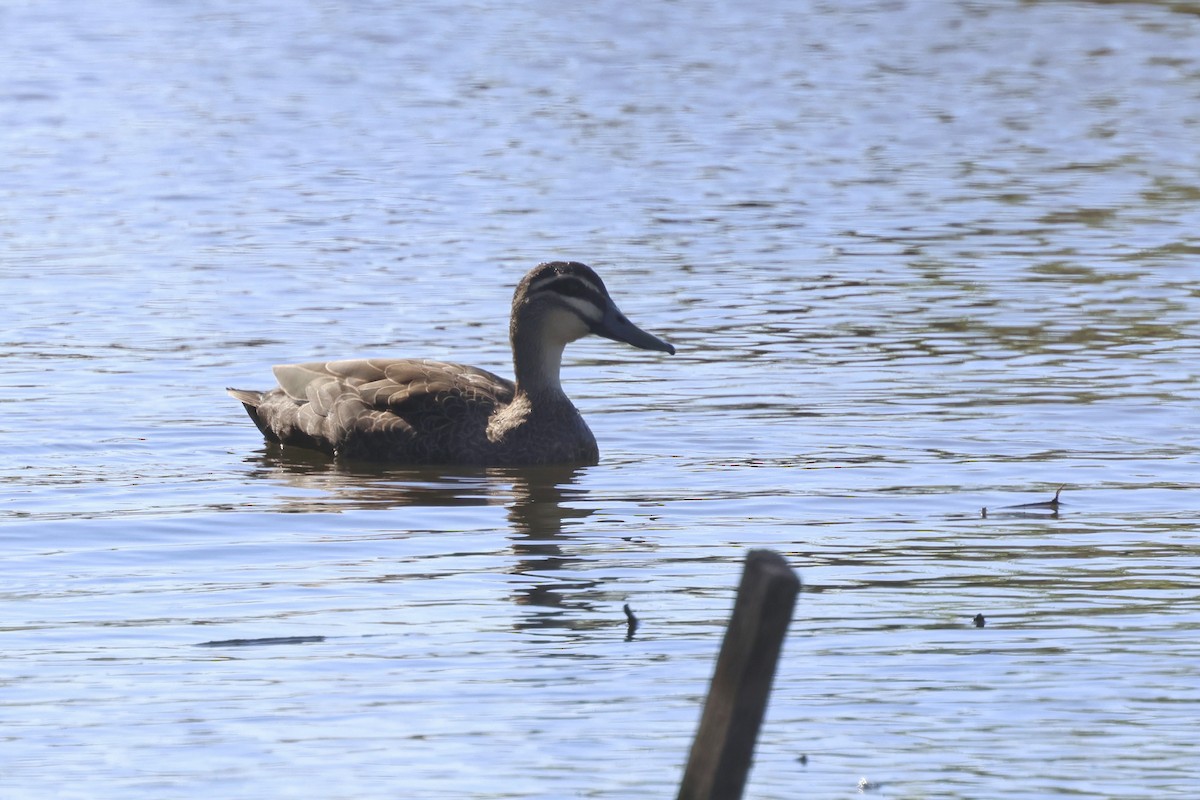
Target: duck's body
(415,411)
(412,411)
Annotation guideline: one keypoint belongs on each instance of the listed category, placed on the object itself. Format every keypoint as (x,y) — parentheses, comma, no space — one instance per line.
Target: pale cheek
(565,327)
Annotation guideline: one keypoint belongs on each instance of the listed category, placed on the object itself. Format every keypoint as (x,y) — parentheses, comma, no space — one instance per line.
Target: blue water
(919,260)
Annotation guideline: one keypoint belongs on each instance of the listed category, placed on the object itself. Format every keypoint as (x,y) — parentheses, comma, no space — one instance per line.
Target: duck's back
(412,411)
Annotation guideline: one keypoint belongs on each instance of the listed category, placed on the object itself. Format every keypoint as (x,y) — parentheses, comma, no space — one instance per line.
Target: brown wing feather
(393,409)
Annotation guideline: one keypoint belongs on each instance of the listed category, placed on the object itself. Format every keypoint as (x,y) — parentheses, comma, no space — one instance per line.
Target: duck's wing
(409,388)
(394,409)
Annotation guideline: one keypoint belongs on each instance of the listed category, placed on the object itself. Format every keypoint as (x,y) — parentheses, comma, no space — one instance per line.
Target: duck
(425,412)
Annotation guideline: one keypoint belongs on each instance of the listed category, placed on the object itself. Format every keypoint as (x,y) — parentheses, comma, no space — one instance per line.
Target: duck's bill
(615,326)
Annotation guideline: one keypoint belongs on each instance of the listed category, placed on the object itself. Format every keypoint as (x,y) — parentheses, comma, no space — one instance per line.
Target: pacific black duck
(416,411)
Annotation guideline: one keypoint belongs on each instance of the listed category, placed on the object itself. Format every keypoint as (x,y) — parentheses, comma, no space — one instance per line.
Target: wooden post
(737,697)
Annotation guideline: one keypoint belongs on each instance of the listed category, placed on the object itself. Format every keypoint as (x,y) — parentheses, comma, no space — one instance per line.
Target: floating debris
(1051,505)
(269,640)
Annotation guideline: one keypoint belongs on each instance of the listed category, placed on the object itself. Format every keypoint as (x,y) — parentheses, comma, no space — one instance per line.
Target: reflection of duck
(547,508)
(546,505)
(542,502)
(534,496)
(416,411)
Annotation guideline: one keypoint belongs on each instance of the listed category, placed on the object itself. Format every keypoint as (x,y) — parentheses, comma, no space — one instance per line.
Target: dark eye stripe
(570,286)
(573,287)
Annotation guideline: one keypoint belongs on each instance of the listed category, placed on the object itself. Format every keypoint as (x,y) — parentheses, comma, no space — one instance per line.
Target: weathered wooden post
(737,697)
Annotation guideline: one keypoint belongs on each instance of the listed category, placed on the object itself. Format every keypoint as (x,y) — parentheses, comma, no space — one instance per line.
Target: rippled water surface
(919,259)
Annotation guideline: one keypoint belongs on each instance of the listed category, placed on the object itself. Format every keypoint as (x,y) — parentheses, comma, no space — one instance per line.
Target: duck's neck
(536,365)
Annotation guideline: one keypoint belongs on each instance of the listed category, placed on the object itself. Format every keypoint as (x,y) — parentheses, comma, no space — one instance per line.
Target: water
(918,259)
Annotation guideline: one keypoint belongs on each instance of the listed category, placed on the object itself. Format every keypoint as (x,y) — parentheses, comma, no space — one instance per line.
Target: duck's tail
(247,396)
(250,401)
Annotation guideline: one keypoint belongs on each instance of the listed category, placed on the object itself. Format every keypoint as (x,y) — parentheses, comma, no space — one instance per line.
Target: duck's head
(568,300)
(559,302)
